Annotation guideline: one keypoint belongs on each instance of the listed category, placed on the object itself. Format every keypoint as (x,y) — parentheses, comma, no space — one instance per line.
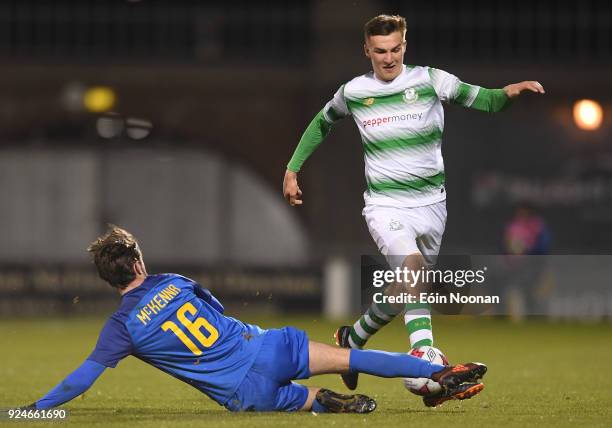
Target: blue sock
(390,364)
(318,407)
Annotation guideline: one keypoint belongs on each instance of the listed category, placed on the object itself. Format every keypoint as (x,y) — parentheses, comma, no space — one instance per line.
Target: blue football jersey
(172,323)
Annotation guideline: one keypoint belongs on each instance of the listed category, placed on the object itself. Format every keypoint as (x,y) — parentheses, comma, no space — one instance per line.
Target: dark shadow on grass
(158,413)
(431,412)
(145,412)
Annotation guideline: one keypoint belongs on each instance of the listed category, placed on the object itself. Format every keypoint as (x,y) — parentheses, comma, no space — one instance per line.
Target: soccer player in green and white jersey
(398,110)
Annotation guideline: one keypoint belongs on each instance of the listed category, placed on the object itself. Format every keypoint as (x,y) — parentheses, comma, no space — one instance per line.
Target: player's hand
(291,191)
(514,89)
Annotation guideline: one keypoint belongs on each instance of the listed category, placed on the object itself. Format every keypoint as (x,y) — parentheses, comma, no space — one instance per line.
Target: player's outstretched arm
(493,100)
(450,89)
(74,385)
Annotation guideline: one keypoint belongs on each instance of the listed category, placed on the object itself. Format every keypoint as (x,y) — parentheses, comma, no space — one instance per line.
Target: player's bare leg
(325,359)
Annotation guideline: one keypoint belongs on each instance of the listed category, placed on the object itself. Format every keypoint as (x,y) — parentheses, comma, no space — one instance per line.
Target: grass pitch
(549,374)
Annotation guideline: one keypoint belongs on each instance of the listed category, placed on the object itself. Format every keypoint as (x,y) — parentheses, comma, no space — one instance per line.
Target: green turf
(549,374)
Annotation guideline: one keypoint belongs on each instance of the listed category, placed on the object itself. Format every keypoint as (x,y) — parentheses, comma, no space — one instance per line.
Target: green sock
(417,319)
(375,318)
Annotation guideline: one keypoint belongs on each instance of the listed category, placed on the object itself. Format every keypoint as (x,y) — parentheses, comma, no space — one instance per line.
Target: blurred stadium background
(175,119)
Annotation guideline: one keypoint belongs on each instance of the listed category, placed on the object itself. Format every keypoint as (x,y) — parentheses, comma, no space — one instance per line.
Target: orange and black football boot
(464,391)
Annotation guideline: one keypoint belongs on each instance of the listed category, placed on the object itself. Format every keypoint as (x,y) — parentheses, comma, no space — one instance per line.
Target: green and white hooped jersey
(401,124)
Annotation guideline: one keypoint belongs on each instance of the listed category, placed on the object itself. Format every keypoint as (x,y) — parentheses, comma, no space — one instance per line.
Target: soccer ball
(422,385)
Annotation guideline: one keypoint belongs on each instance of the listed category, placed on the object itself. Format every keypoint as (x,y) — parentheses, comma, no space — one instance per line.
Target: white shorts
(399,232)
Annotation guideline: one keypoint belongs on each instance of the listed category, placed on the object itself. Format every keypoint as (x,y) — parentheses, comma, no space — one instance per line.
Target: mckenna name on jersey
(157,303)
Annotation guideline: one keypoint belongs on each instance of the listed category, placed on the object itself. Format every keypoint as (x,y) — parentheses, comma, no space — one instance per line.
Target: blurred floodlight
(110,125)
(588,115)
(138,129)
(99,99)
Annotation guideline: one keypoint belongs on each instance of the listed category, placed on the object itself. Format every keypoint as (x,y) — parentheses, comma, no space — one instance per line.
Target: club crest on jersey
(395,225)
(410,95)
(368,102)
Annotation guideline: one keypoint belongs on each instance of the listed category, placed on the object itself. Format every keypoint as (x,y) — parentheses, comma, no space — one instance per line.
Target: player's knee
(414,261)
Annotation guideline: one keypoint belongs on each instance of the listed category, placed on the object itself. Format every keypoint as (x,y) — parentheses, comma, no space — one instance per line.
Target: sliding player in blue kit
(172,323)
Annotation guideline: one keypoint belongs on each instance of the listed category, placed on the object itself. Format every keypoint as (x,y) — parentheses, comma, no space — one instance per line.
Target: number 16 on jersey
(194,328)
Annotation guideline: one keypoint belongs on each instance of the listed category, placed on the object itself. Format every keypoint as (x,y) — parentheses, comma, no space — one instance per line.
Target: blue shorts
(267,386)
